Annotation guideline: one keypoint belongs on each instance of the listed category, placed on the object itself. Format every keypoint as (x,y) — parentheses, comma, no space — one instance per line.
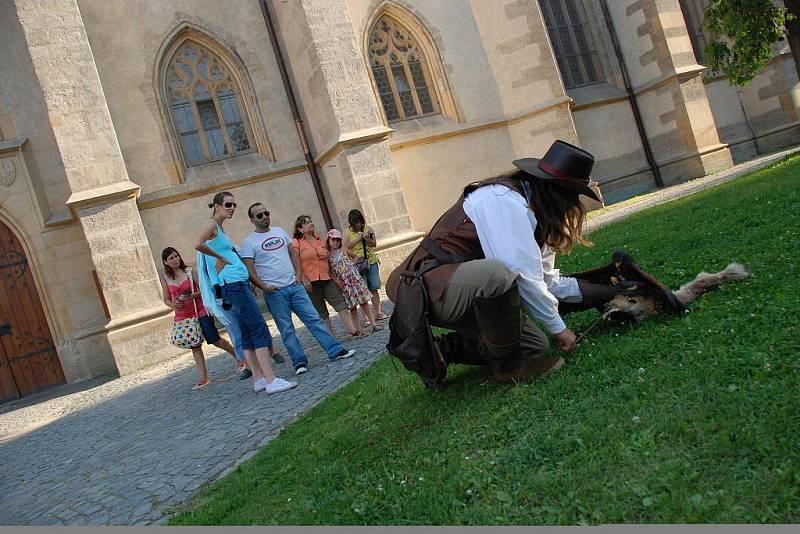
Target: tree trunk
(793,32)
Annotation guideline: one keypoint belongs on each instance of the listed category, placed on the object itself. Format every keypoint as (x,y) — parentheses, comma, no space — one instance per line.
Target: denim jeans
(372,277)
(294,298)
(255,334)
(235,333)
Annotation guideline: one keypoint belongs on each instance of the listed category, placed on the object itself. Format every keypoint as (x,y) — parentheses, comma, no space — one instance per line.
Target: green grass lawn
(676,420)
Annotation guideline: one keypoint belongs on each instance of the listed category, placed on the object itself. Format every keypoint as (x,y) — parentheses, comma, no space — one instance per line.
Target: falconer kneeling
(491,256)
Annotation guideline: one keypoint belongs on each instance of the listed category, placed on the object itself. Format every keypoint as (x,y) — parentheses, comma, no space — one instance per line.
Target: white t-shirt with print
(270,253)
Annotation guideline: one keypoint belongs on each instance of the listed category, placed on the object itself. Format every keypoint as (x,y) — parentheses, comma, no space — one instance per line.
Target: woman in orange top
(317,273)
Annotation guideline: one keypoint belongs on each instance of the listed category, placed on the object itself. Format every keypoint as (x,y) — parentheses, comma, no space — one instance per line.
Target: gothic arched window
(573,45)
(401,71)
(205,104)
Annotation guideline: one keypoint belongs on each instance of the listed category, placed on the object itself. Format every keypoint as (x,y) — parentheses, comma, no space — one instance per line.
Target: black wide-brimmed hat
(564,165)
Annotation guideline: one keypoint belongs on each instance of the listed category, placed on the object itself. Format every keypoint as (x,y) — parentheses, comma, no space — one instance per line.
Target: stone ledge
(12,145)
(61,218)
(681,74)
(194,189)
(393,254)
(405,141)
(596,95)
(399,239)
(102,195)
(359,137)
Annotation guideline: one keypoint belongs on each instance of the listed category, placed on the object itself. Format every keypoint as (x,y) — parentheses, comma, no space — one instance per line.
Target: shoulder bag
(186,333)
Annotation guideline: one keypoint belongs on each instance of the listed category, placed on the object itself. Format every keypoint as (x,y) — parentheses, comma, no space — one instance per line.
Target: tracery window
(573,45)
(693,15)
(401,71)
(205,104)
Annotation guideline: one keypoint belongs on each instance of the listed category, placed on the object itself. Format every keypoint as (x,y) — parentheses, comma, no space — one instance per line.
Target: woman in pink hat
(352,286)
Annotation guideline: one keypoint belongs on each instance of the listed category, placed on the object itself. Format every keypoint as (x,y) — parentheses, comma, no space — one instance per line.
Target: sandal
(201,385)
(377,328)
(381,317)
(357,335)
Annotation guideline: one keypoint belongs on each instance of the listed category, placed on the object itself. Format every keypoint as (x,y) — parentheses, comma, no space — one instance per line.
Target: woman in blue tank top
(234,282)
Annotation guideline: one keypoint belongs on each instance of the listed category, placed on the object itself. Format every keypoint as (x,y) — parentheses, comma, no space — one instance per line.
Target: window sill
(599,94)
(227,166)
(421,124)
(228,173)
(445,128)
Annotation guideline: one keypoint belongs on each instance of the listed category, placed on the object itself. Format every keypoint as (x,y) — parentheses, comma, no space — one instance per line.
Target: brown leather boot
(594,296)
(530,369)
(457,348)
(500,324)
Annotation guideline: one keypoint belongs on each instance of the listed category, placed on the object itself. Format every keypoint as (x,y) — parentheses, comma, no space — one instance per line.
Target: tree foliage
(741,33)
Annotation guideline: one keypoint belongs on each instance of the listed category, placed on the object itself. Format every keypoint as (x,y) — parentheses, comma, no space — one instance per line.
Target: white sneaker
(344,354)
(260,384)
(278,385)
(300,369)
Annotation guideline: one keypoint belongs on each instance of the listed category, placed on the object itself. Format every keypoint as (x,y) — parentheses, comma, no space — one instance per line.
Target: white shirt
(505,228)
(270,254)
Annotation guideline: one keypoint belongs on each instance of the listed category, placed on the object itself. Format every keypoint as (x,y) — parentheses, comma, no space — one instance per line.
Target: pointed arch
(29,358)
(206,99)
(405,66)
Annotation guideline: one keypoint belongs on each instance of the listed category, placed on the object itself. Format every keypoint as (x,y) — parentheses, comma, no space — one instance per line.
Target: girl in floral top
(352,286)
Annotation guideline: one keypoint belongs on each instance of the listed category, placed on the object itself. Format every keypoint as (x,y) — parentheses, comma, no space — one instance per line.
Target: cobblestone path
(129,450)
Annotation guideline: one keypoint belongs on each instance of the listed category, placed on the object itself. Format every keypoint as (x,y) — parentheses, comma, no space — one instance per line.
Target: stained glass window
(401,73)
(574,48)
(205,103)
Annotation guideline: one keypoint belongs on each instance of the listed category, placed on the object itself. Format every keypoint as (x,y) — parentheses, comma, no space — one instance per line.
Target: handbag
(410,336)
(362,264)
(186,333)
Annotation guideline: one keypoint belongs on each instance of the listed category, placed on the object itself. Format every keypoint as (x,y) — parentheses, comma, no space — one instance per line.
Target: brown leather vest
(455,235)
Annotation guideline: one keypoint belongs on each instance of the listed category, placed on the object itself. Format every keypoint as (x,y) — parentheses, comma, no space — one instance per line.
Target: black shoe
(245,373)
(343,354)
(277,358)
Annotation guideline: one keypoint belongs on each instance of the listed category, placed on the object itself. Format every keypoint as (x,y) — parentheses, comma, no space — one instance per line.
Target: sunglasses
(229,205)
(261,215)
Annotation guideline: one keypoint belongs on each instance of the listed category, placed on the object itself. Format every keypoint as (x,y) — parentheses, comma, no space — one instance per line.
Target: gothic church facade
(119,120)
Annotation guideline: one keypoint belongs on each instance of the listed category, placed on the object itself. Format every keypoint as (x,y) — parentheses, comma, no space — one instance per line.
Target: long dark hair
(297,224)
(559,216)
(166,253)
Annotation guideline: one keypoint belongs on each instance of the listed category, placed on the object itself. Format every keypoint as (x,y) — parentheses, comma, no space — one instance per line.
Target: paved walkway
(628,207)
(129,450)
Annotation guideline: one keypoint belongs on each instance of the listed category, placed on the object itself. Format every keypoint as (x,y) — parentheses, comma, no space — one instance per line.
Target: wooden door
(28,358)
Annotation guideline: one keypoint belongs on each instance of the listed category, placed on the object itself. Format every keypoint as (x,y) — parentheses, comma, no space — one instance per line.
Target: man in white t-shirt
(274,267)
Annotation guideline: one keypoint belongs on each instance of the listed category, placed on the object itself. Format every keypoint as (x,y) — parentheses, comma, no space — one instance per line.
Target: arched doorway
(28,358)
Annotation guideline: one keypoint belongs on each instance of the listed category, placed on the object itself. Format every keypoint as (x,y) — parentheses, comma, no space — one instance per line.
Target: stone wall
(33,207)
(762,116)
(129,51)
(504,82)
(102,198)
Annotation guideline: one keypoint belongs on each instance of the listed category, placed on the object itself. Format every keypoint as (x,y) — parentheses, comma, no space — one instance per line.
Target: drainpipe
(637,116)
(298,121)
